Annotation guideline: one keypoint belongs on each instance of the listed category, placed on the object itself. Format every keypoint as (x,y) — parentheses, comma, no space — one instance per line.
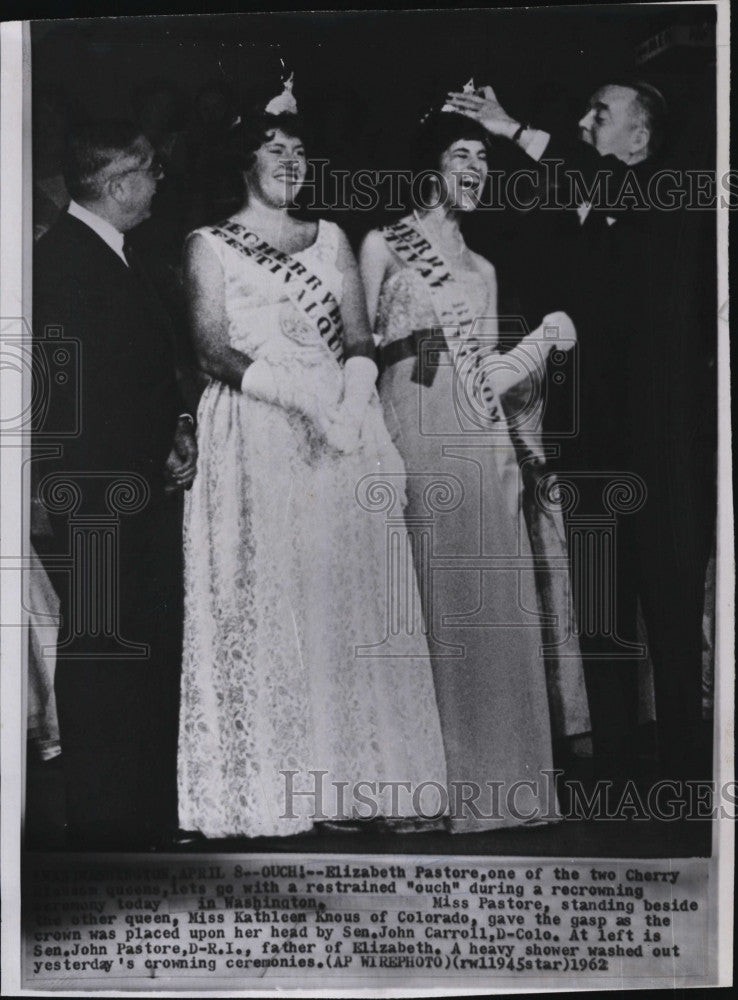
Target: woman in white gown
(433,303)
(292,676)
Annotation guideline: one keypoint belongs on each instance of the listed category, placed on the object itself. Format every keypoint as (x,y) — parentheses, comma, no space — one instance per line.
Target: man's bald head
(626,120)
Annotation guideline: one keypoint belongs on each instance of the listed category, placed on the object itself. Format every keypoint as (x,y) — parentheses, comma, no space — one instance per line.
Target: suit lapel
(94,242)
(139,283)
(137,272)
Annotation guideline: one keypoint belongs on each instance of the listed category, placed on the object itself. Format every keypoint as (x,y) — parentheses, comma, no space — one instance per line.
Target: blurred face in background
(214,110)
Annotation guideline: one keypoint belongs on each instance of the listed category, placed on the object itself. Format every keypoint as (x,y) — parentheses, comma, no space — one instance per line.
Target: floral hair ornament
(284,103)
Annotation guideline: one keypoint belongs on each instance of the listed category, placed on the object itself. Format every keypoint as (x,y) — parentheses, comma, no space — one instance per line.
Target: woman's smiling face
(279,169)
(463,167)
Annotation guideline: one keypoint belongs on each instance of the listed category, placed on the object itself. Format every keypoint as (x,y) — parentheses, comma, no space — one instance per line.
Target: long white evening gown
(286,574)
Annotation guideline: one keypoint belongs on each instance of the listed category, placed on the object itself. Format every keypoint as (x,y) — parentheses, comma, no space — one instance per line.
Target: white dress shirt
(104,229)
(534,141)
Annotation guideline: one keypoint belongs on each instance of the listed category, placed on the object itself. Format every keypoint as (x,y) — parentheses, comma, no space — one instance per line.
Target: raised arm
(205,289)
(582,162)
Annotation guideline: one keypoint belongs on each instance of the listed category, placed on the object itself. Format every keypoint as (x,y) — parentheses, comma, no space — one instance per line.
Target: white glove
(344,431)
(566,333)
(291,388)
(259,381)
(528,358)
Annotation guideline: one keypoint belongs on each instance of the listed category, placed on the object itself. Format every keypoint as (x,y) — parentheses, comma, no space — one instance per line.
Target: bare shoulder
(345,257)
(341,239)
(201,259)
(485,267)
(199,245)
(374,247)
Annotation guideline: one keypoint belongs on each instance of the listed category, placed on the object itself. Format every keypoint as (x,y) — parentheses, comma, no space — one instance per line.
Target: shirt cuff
(534,142)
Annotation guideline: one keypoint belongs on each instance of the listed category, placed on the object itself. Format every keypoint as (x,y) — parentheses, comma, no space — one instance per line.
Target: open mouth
(469,182)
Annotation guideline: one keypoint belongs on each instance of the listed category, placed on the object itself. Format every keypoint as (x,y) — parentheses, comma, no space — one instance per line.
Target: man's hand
(181,465)
(485,109)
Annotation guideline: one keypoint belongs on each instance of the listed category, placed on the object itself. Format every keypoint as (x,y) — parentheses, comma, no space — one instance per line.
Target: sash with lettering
(449,304)
(564,672)
(305,289)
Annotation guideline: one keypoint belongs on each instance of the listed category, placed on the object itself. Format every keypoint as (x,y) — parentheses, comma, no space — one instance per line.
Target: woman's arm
(373,262)
(486,328)
(360,371)
(528,357)
(358,341)
(205,290)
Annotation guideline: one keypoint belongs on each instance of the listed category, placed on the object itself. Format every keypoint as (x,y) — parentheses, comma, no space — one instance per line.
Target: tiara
(284,103)
(468,88)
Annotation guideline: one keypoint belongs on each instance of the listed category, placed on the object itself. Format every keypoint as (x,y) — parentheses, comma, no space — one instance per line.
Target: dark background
(376,71)
(364,78)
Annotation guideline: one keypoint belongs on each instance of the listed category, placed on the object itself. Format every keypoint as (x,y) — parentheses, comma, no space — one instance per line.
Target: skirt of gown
(471,552)
(289,664)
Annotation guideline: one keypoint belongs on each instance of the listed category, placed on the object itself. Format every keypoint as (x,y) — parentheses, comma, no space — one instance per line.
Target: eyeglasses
(155,169)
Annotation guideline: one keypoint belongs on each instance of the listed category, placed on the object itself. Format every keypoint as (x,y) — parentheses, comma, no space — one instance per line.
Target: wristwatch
(523,127)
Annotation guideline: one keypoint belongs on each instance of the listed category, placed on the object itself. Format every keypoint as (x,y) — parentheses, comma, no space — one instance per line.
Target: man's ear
(116,188)
(639,140)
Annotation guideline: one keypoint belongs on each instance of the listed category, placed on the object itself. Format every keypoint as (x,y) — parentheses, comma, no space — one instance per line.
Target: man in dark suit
(114,496)
(641,456)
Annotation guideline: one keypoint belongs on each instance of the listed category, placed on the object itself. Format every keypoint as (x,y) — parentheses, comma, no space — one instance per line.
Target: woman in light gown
(291,678)
(442,402)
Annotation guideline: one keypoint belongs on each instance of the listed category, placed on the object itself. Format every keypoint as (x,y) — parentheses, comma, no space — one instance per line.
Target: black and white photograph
(367,442)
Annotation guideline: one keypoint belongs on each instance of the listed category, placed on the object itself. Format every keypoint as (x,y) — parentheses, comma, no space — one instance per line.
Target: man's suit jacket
(126,385)
(128,402)
(117,711)
(638,283)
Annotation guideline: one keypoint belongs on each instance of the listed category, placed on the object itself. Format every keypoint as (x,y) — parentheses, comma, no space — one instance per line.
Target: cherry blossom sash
(306,290)
(449,304)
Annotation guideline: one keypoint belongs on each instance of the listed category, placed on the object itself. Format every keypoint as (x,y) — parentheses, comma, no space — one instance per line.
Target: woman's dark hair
(220,170)
(253,131)
(438,131)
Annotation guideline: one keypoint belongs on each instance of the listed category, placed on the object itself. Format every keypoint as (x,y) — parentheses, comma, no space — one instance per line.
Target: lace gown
(289,662)
(481,608)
